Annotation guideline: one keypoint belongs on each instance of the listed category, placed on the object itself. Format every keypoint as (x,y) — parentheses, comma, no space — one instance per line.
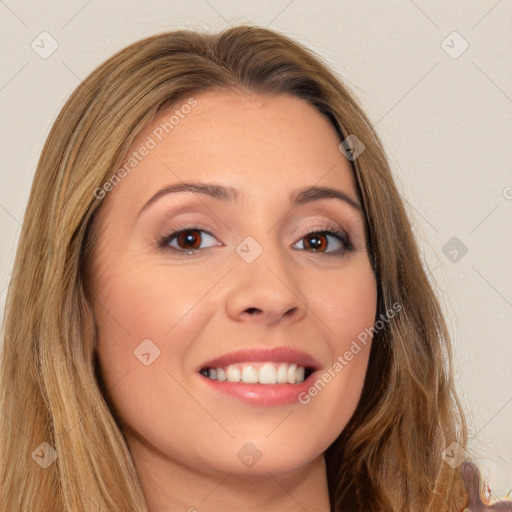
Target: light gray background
(446,123)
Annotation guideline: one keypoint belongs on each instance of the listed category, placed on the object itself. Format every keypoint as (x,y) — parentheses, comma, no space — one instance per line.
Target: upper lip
(278,355)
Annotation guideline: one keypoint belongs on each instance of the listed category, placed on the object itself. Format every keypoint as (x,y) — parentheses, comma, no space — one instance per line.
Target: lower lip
(261,394)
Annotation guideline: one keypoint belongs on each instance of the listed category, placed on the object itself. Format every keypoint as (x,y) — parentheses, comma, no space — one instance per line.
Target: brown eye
(320,241)
(316,241)
(186,239)
(189,239)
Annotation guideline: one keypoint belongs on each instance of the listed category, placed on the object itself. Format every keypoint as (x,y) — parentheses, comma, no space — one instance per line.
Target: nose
(265,292)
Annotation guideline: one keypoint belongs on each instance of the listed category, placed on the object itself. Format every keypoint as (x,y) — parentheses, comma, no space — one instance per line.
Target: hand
(471,478)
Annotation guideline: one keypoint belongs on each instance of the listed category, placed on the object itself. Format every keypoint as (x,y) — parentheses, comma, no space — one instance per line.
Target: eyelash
(330,229)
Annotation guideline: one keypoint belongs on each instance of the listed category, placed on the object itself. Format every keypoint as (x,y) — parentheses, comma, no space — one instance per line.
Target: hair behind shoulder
(389,455)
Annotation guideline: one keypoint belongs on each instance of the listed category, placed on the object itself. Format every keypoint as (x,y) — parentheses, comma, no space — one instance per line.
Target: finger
(471,477)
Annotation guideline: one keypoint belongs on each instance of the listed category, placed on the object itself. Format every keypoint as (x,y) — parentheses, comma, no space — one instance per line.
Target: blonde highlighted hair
(388,458)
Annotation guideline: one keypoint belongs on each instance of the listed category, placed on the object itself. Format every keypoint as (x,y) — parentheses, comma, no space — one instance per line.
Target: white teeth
(267,374)
(263,373)
(282,374)
(249,375)
(233,373)
(291,373)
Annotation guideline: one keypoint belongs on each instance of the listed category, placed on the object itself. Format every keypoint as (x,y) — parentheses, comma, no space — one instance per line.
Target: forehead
(229,123)
(253,142)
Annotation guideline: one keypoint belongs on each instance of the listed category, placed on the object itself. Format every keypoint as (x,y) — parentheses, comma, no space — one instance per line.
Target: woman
(297,361)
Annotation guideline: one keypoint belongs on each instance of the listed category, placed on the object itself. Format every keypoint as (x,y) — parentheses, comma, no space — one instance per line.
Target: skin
(183,436)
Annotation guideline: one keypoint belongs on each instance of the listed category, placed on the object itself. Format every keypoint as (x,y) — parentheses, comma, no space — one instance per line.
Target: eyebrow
(297,197)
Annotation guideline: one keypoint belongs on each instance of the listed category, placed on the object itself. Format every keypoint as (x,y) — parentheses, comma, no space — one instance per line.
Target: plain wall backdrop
(435,79)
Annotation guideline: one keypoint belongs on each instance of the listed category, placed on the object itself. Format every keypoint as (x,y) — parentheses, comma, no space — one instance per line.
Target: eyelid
(320,225)
(316,225)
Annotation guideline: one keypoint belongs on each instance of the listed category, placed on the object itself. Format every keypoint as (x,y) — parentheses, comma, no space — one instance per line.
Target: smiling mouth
(259,373)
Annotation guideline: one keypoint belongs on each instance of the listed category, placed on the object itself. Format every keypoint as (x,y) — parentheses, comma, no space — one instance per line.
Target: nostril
(252,311)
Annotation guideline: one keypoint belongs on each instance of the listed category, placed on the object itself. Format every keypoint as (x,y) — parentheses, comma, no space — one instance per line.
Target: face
(187,279)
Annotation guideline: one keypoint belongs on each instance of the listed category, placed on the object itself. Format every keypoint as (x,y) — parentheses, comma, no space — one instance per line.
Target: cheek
(345,302)
(148,316)
(138,302)
(347,307)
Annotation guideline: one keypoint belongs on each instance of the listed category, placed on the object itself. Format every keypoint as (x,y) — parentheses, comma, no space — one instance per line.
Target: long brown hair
(388,458)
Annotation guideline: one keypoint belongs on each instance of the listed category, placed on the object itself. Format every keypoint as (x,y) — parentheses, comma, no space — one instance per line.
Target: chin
(258,458)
